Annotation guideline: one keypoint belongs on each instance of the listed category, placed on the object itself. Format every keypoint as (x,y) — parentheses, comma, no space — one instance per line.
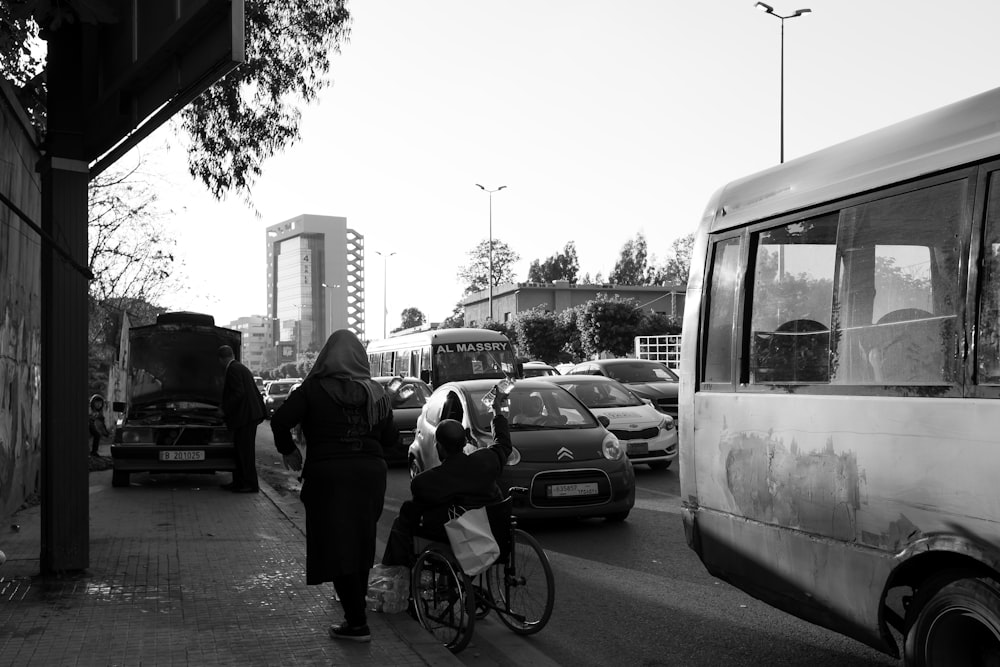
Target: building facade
(513,298)
(315,281)
(254,341)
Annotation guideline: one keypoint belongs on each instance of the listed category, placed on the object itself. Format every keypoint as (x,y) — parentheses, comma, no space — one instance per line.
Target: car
(409,395)
(649,436)
(259,381)
(276,393)
(172,419)
(647,378)
(564,368)
(572,466)
(534,369)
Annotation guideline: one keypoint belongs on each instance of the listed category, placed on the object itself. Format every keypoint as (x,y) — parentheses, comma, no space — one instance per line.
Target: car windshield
(407,394)
(536,371)
(639,372)
(471,361)
(602,394)
(279,388)
(533,409)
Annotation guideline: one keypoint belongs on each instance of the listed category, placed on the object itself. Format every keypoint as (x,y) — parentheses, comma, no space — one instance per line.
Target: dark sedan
(408,398)
(647,378)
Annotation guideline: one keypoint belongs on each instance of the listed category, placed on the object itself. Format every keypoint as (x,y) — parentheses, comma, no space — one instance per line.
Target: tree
(677,267)
(569,333)
(609,325)
(657,324)
(130,253)
(250,114)
(561,266)
(539,335)
(240,121)
(410,317)
(474,274)
(457,318)
(632,266)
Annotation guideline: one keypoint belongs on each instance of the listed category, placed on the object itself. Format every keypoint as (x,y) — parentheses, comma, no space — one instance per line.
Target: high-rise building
(315,281)
(255,336)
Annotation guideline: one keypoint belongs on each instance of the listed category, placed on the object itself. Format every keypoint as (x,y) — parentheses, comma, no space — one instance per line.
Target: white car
(649,435)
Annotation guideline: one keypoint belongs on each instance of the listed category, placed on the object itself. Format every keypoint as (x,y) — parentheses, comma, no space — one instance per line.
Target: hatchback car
(647,378)
(277,392)
(409,395)
(533,369)
(569,462)
(649,436)
(172,420)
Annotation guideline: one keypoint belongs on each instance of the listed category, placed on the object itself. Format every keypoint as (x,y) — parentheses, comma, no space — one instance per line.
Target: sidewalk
(185,573)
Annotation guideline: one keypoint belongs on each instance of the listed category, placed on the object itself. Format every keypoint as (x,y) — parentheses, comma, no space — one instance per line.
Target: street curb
(409,632)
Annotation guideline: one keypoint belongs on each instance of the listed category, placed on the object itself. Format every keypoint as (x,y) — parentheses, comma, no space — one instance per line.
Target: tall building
(255,336)
(315,281)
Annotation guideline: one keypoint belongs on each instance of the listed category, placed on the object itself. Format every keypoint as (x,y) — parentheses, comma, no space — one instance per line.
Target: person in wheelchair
(466,480)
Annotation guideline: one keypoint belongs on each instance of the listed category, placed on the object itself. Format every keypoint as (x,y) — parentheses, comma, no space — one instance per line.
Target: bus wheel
(954,620)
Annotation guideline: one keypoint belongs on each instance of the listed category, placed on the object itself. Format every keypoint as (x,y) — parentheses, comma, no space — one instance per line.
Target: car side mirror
(605,422)
(118,406)
(518,369)
(425,375)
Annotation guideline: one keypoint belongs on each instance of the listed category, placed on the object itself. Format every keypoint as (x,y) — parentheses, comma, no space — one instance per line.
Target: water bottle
(503,388)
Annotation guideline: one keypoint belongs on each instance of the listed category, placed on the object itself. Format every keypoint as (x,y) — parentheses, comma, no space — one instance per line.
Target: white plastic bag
(472,540)
(388,588)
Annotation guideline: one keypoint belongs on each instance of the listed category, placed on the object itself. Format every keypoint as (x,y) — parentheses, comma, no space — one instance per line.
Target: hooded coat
(346,420)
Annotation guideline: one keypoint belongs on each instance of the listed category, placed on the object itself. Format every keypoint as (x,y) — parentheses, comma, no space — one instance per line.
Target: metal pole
(782,112)
(385,304)
(489,278)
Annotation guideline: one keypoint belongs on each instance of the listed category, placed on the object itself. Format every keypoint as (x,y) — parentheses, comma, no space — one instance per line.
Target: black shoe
(360,633)
(244,489)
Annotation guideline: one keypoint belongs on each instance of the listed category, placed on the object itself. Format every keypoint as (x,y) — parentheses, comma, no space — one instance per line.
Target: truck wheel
(954,620)
(119,478)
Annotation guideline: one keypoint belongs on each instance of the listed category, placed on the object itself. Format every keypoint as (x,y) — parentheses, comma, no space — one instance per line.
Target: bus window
(721,311)
(792,301)
(988,346)
(899,288)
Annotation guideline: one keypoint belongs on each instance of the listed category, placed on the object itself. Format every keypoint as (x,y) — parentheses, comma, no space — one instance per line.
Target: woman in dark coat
(346,419)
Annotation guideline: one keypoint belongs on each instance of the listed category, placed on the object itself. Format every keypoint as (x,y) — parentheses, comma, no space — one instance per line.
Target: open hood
(177,361)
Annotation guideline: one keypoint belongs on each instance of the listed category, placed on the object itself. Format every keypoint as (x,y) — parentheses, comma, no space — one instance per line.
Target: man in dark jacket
(468,480)
(243,408)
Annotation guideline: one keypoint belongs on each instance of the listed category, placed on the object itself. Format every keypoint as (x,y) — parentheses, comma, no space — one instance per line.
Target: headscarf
(344,358)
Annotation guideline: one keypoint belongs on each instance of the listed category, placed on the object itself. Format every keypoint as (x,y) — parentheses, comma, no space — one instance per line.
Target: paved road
(633,593)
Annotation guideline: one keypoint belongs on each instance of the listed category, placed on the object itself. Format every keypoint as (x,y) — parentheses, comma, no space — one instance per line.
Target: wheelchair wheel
(444,599)
(523,589)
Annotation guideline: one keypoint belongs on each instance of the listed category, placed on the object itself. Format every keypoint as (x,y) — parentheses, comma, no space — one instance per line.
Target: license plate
(182,455)
(637,448)
(563,490)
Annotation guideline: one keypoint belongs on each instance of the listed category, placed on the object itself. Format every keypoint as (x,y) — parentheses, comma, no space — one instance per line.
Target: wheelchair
(518,587)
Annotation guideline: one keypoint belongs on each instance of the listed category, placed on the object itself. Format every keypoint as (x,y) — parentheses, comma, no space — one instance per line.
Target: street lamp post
(385,304)
(798,12)
(489,278)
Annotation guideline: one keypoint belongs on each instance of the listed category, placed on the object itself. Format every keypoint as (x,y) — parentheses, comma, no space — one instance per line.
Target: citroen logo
(564,453)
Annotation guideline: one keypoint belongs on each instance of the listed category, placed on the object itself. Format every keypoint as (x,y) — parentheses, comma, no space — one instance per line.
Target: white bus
(840,377)
(437,356)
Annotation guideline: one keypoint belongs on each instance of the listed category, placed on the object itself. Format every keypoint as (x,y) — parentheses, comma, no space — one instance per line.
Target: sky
(604,120)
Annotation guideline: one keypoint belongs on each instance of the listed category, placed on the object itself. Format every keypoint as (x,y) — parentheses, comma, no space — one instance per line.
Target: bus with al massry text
(840,387)
(437,356)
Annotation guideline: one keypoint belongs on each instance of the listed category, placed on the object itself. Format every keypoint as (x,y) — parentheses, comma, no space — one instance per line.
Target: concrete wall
(20,309)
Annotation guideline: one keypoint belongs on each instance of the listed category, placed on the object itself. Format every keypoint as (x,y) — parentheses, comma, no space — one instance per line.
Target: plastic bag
(388,588)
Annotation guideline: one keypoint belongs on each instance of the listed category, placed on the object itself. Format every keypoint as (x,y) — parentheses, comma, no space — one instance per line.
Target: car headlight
(136,436)
(514,458)
(667,423)
(269,400)
(611,448)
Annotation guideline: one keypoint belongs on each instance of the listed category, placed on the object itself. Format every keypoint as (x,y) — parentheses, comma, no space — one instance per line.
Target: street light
(385,304)
(798,12)
(489,278)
